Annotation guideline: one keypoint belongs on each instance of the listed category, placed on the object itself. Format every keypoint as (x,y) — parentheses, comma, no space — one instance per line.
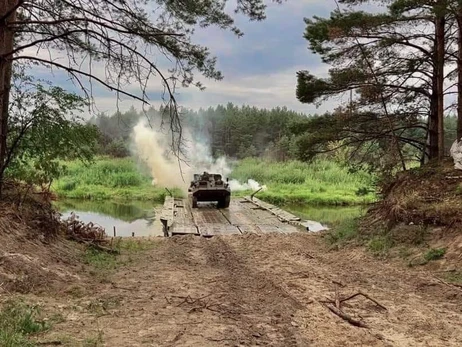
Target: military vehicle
(209,187)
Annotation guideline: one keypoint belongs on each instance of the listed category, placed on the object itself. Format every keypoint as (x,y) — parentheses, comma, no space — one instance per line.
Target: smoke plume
(153,147)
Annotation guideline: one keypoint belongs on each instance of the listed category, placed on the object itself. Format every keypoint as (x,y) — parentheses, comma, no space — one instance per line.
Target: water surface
(139,217)
(326,215)
(136,217)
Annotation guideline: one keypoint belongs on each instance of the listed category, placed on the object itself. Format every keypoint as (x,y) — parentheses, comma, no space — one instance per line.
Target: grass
(343,231)
(430,255)
(346,231)
(108,178)
(379,245)
(100,260)
(18,321)
(95,341)
(104,263)
(434,254)
(454,277)
(320,182)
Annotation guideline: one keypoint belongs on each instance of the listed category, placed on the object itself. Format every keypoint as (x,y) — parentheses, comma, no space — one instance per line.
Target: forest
(243,131)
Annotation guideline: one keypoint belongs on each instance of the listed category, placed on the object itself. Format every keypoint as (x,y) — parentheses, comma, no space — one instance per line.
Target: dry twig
(345,317)
(335,307)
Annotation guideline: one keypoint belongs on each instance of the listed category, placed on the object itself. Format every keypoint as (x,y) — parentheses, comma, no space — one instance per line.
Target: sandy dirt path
(260,290)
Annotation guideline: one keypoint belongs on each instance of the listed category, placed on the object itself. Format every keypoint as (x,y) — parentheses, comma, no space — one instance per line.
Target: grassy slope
(107,179)
(320,182)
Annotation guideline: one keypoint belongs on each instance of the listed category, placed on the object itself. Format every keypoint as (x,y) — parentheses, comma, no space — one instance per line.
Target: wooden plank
(182,229)
(242,216)
(268,228)
(208,215)
(250,229)
(212,229)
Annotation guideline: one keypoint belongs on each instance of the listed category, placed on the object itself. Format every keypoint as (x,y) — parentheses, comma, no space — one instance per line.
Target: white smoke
(152,146)
(251,184)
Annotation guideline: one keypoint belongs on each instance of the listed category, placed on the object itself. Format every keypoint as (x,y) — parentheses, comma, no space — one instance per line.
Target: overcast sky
(259,68)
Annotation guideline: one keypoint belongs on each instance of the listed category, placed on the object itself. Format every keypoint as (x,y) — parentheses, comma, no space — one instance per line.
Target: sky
(259,68)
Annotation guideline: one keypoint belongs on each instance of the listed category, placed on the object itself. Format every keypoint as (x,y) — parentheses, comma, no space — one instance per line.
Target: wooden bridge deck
(244,215)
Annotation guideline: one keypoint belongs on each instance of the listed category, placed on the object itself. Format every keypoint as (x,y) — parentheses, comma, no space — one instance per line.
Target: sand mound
(431,195)
(34,255)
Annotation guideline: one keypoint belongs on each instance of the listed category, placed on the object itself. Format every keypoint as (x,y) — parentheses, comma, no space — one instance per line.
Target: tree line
(229,130)
(244,131)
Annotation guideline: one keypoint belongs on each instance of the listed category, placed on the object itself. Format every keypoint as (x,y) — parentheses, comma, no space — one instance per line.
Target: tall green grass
(320,182)
(108,178)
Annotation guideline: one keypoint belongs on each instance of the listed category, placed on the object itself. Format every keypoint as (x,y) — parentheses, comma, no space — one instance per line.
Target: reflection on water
(326,215)
(127,218)
(139,217)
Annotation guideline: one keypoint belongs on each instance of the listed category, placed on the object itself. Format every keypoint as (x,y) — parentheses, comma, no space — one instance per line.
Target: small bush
(435,254)
(67,186)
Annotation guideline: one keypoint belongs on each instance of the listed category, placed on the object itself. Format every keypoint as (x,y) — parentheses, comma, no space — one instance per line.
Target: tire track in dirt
(259,290)
(259,304)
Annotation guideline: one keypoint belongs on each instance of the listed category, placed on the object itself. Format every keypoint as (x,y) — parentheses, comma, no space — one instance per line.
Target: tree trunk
(7,14)
(432,140)
(459,75)
(440,39)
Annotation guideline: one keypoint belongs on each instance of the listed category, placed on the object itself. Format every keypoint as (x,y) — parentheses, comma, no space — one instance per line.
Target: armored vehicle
(209,187)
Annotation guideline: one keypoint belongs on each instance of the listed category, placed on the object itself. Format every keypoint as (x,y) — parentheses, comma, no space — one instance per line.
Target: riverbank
(108,179)
(318,183)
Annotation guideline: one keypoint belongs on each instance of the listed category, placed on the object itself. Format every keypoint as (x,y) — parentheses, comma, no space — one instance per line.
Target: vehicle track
(258,290)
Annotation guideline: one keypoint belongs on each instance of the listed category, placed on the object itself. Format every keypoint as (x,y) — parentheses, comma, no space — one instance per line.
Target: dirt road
(260,290)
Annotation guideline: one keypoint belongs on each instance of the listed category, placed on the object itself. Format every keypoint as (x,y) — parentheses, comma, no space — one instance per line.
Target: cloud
(265,90)
(259,68)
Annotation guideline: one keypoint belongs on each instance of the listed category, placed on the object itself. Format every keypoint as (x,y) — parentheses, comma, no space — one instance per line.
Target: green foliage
(100,260)
(318,182)
(237,132)
(434,254)
(95,341)
(17,321)
(343,231)
(108,179)
(379,245)
(454,277)
(43,130)
(387,112)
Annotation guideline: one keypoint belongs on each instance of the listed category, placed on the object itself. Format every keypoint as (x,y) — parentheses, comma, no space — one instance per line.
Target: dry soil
(256,290)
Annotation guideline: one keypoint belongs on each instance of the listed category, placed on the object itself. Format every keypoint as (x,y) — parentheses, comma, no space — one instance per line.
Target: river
(138,217)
